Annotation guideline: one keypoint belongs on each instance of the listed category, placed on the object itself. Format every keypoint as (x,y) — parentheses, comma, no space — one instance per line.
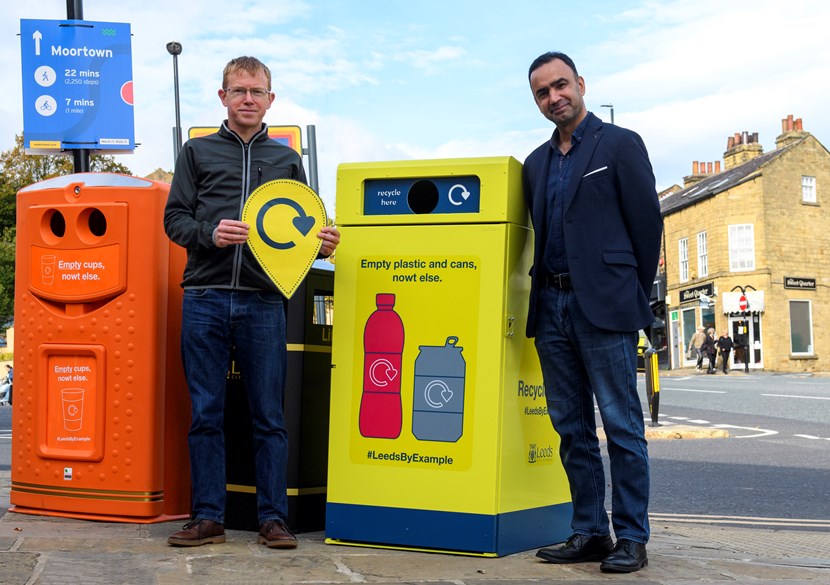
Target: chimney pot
(695,167)
(717,167)
(730,142)
(755,137)
(783,125)
(789,122)
(708,168)
(798,125)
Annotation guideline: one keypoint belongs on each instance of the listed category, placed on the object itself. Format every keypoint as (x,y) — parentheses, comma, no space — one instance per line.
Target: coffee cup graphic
(47,268)
(73,408)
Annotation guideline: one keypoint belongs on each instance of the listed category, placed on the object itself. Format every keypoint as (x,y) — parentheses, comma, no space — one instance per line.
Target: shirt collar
(576,137)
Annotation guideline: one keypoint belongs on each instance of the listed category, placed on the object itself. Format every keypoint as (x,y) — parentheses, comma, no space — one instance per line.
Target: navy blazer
(612,226)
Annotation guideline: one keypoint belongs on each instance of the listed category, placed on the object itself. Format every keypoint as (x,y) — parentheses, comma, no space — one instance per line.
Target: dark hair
(547,58)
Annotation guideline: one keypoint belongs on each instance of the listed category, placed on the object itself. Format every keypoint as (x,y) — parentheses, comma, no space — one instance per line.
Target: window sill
(803,357)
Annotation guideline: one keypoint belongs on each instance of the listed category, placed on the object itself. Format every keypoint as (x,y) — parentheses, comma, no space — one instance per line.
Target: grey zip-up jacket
(214,176)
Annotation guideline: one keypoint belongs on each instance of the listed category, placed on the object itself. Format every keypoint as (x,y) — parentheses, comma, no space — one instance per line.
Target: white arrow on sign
(464,194)
(37,36)
(759,433)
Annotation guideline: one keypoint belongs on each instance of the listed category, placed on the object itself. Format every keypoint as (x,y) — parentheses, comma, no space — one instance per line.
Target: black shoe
(628,556)
(579,548)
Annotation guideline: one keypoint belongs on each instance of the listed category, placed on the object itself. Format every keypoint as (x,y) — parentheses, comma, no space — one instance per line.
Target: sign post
(77,86)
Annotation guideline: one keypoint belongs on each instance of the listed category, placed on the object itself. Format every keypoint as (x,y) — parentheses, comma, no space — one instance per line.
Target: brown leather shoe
(198,532)
(275,534)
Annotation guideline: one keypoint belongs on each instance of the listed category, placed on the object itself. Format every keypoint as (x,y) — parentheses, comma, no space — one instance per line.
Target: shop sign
(688,295)
(800,283)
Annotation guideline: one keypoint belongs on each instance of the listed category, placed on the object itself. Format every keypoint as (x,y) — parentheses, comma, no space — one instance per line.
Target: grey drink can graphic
(438,397)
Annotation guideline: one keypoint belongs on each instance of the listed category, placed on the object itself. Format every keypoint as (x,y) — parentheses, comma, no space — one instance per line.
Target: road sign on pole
(77,86)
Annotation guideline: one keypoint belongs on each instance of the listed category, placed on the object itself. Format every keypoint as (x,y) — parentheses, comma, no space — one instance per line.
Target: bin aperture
(422,197)
(97,222)
(57,223)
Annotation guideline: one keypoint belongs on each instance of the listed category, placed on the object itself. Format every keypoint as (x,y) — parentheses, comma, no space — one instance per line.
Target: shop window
(702,255)
(683,251)
(801,328)
(742,247)
(808,189)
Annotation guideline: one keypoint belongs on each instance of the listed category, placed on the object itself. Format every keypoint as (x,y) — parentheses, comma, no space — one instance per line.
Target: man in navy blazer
(591,194)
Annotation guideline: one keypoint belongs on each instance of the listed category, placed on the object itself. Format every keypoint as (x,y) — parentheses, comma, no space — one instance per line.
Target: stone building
(747,249)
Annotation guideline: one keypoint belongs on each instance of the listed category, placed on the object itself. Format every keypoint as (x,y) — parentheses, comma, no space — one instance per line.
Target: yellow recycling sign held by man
(285,217)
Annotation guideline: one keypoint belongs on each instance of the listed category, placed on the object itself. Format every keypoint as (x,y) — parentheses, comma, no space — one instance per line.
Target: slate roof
(711,186)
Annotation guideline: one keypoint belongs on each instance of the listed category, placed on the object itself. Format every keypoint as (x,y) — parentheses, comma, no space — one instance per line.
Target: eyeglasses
(257,93)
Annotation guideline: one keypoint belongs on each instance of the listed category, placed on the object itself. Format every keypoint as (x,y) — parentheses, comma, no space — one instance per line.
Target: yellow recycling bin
(439,434)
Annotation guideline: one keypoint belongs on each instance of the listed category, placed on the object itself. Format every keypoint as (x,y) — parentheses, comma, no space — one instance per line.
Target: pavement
(44,550)
(683,550)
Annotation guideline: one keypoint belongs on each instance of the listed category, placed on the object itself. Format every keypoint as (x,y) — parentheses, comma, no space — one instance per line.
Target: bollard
(652,384)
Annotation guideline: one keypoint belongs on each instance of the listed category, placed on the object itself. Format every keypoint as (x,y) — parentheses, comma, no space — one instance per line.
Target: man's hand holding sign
(284,223)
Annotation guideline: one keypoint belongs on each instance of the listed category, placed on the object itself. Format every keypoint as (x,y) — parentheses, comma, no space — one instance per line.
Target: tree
(18,170)
(21,169)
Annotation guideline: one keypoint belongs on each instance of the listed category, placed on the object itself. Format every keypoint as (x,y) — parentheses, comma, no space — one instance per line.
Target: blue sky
(386,80)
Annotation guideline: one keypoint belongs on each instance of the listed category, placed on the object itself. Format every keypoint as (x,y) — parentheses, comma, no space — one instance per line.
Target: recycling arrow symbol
(303,222)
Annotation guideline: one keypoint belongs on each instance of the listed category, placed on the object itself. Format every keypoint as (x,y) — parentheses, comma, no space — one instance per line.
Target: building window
(742,247)
(683,249)
(801,328)
(808,189)
(702,256)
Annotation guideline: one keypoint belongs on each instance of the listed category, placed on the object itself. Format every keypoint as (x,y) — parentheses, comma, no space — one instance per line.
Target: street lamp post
(80,156)
(175,49)
(611,106)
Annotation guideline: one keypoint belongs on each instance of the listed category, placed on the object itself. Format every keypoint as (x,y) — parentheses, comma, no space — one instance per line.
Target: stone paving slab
(44,550)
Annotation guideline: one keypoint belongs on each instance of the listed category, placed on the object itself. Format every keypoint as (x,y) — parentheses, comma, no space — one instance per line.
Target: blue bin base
(448,532)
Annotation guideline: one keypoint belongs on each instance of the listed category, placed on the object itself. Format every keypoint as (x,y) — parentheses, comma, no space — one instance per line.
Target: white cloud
(383,85)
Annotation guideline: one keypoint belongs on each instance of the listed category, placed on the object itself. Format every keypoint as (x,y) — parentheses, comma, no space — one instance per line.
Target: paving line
(740,520)
(795,396)
(694,390)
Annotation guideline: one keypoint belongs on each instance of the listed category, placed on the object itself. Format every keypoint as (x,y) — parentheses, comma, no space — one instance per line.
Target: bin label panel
(422,196)
(424,393)
(72,404)
(78,274)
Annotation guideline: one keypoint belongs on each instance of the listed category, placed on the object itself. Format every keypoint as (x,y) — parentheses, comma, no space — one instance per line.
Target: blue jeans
(581,363)
(213,322)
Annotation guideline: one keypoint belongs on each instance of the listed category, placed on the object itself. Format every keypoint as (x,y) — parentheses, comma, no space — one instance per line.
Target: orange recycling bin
(101,411)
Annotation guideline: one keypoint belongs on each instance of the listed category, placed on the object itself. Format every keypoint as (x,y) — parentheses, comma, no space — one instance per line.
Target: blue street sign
(77,86)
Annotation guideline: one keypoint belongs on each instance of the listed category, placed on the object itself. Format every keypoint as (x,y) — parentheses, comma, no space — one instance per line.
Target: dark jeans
(713,357)
(580,364)
(725,358)
(214,321)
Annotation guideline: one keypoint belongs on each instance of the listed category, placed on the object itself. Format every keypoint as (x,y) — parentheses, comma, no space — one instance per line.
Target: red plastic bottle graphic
(380,405)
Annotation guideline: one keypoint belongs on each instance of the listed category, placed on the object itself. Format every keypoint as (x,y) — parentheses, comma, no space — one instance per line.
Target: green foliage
(18,170)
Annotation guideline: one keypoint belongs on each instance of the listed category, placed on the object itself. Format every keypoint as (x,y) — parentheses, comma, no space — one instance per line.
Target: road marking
(759,433)
(699,422)
(692,390)
(746,520)
(795,396)
(813,437)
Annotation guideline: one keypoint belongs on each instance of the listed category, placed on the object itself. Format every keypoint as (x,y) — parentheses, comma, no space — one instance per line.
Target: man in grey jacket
(229,302)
